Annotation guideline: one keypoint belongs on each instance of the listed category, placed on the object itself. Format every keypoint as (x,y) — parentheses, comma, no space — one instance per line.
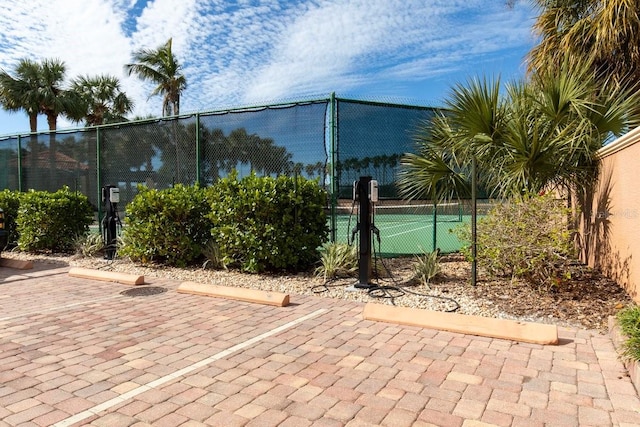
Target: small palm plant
(426,267)
(89,245)
(337,260)
(215,259)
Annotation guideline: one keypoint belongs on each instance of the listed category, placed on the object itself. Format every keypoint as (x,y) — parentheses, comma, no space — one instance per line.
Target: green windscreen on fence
(283,140)
(334,141)
(9,178)
(372,138)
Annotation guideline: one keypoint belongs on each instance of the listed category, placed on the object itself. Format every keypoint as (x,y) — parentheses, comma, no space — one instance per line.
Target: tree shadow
(594,240)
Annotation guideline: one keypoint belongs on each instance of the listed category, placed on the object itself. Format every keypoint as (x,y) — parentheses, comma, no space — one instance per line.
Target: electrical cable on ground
(390,292)
(400,289)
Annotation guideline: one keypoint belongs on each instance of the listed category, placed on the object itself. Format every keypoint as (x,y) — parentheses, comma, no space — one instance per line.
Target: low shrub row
(43,221)
(255,224)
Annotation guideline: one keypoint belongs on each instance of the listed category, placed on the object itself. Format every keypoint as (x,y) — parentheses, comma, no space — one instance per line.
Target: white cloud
(260,50)
(328,46)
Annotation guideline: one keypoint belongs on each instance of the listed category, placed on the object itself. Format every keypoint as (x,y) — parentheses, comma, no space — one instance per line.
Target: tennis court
(406,229)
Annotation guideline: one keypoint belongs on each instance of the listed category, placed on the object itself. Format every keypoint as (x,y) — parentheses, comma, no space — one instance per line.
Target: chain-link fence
(332,140)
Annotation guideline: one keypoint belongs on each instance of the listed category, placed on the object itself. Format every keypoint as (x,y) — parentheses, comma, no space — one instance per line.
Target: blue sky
(246,52)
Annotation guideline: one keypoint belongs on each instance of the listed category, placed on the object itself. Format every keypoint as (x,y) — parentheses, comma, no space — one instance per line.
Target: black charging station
(110,198)
(365,191)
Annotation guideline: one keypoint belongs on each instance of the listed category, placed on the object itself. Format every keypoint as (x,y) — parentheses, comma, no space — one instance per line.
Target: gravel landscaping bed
(585,303)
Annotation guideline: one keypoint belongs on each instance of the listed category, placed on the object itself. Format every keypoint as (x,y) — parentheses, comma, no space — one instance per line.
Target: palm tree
(160,67)
(471,124)
(38,88)
(604,32)
(54,99)
(22,92)
(540,134)
(103,99)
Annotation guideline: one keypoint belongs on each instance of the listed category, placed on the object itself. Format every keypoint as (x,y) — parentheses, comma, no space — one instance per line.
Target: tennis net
(428,212)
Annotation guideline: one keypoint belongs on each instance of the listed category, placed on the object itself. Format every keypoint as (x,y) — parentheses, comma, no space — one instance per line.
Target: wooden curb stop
(536,333)
(107,276)
(16,263)
(277,299)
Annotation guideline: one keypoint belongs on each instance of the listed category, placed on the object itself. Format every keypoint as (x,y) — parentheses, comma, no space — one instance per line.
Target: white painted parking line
(58,307)
(182,372)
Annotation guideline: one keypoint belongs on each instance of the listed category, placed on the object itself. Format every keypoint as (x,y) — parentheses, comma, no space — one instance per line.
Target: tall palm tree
(160,67)
(604,32)
(103,99)
(54,99)
(22,92)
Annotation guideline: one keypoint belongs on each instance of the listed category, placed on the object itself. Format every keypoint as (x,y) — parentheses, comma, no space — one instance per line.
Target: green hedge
(268,224)
(168,226)
(256,224)
(52,221)
(10,203)
(629,320)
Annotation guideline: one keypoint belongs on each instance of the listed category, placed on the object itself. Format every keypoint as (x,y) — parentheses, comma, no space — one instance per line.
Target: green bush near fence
(268,224)
(256,224)
(167,226)
(629,321)
(10,203)
(526,237)
(52,221)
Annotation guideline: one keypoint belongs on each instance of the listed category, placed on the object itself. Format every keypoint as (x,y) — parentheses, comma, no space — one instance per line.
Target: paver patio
(77,352)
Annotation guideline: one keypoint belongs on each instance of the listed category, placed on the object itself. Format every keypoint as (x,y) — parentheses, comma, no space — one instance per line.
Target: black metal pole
(474,213)
(435,225)
(110,221)
(364,260)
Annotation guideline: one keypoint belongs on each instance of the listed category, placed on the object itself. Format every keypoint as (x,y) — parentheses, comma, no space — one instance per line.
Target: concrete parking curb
(16,263)
(535,333)
(107,276)
(249,295)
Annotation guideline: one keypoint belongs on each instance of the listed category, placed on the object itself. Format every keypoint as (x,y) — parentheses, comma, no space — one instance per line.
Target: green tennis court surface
(406,230)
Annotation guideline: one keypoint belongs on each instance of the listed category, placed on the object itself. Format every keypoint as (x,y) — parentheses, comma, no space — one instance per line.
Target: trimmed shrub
(167,226)
(10,204)
(268,224)
(52,221)
(528,238)
(629,320)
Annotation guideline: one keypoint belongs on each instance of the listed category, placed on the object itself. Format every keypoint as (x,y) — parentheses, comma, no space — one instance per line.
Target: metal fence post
(198,149)
(19,164)
(98,178)
(333,138)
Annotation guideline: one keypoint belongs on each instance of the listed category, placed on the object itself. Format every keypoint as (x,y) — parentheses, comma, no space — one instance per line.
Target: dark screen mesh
(270,141)
(371,140)
(335,142)
(9,168)
(50,161)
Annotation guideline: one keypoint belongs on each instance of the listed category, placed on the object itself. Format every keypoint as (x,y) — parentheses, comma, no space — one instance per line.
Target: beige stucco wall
(610,232)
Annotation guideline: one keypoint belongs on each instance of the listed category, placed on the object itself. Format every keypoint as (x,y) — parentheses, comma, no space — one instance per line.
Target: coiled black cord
(389,292)
(398,290)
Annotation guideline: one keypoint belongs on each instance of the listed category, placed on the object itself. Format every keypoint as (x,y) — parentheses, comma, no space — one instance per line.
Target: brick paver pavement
(77,352)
